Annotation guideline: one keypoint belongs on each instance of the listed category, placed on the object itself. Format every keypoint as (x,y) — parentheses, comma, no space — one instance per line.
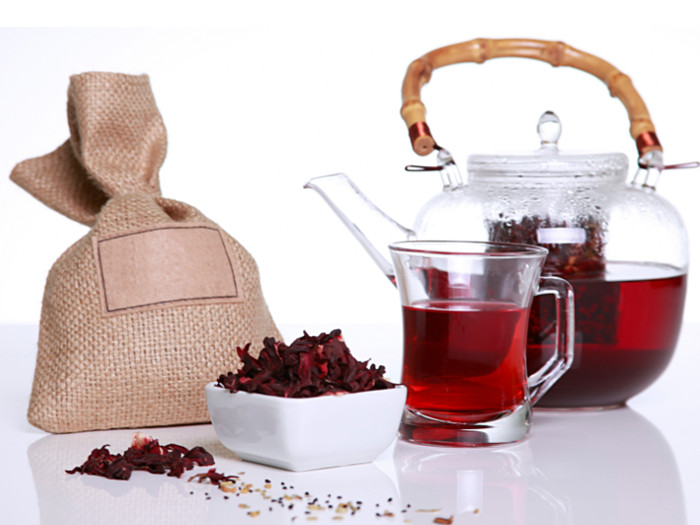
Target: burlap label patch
(165,265)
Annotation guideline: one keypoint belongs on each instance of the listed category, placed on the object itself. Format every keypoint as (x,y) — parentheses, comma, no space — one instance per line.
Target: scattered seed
(227,486)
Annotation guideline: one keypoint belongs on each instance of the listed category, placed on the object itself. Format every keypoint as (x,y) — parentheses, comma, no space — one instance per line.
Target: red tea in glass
(465,314)
(627,326)
(464,359)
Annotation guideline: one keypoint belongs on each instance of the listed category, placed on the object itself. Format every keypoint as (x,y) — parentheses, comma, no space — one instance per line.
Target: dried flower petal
(145,453)
(311,366)
(563,259)
(572,261)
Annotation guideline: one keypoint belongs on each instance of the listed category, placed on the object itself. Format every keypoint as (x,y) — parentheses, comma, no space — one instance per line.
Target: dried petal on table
(145,453)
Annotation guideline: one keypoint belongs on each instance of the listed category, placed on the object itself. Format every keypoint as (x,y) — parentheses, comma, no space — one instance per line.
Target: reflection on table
(576,468)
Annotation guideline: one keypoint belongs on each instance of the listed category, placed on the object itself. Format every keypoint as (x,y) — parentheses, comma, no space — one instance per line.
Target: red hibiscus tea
(464,360)
(465,316)
(627,326)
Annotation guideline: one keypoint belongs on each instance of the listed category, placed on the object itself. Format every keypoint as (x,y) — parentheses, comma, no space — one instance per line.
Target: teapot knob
(549,129)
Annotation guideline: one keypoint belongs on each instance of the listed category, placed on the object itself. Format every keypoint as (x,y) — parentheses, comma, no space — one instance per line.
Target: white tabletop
(638,465)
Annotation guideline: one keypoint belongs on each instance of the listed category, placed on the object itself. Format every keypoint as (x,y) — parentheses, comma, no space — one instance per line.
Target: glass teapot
(622,246)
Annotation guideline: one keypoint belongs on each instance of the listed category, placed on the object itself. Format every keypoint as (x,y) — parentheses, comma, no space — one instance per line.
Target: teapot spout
(373,228)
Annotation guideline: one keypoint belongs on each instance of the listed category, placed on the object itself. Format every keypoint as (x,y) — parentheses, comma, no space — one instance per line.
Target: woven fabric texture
(139,367)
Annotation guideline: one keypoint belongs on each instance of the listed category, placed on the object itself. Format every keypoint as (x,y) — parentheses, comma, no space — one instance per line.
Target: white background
(260,96)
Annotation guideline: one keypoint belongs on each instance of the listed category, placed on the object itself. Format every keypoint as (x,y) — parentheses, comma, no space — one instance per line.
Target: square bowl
(306,433)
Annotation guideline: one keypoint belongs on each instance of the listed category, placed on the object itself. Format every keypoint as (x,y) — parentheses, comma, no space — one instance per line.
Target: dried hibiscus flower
(311,366)
(214,477)
(564,259)
(145,453)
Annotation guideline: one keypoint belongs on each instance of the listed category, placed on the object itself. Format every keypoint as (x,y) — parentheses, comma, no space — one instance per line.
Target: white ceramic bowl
(307,433)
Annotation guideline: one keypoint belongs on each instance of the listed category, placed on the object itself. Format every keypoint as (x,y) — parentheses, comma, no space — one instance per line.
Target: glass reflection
(576,468)
(614,466)
(607,467)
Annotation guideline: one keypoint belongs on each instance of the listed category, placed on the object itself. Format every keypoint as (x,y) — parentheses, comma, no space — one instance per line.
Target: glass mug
(465,319)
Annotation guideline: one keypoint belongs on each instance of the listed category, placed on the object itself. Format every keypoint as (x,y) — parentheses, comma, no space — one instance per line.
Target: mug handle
(541,380)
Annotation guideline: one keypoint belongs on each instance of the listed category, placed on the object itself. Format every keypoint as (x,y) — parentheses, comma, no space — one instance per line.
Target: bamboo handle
(555,53)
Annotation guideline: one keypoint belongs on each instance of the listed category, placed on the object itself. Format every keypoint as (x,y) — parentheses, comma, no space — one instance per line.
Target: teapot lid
(548,161)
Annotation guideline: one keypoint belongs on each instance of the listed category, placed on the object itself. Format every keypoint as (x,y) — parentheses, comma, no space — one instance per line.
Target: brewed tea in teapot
(622,246)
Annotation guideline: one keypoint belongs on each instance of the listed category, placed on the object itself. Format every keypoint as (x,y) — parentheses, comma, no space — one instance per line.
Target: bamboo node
(615,82)
(554,53)
(642,121)
(483,50)
(423,67)
(411,102)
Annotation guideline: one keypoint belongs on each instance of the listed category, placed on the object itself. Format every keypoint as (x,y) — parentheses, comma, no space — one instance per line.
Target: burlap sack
(149,306)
